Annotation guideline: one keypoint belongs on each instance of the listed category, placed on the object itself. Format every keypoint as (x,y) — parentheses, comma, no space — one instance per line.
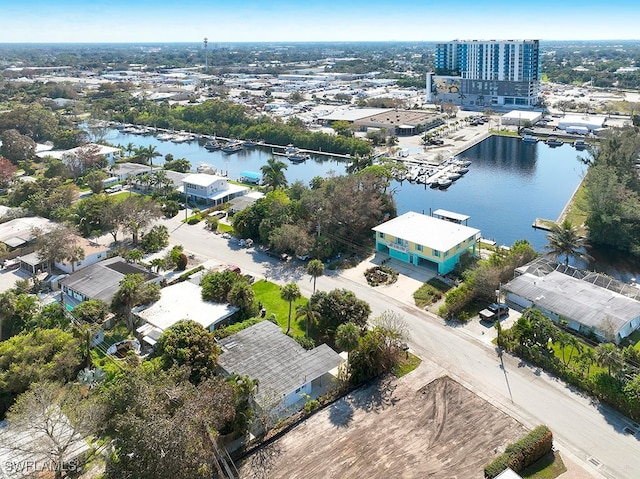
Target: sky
(153,21)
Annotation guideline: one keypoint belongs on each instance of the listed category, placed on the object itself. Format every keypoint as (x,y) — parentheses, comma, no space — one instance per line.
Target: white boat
(295,154)
(462,162)
(206,168)
(164,137)
(463,170)
(232,147)
(444,183)
(453,176)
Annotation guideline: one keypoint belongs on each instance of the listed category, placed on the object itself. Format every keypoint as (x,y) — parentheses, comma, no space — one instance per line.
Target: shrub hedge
(521,454)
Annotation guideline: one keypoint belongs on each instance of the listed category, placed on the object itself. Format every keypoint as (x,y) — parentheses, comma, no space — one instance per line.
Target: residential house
(170,309)
(590,303)
(427,241)
(285,371)
(211,189)
(100,281)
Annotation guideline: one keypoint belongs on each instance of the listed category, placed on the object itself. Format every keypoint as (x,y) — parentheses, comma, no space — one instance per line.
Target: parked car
(276,255)
(234,268)
(249,278)
(494,311)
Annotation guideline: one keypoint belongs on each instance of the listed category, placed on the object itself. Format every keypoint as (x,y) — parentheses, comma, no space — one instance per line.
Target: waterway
(509,184)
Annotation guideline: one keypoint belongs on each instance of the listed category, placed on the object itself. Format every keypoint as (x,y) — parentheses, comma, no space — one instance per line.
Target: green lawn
(595,368)
(549,467)
(407,364)
(269,295)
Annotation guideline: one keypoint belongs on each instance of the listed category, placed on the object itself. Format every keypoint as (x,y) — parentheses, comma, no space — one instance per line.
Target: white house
(588,302)
(107,152)
(211,189)
(170,309)
(284,369)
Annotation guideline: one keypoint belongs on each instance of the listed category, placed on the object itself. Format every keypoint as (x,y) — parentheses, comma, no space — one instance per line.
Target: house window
(99,256)
(457,247)
(436,253)
(446,253)
(418,247)
(79,263)
(399,241)
(380,235)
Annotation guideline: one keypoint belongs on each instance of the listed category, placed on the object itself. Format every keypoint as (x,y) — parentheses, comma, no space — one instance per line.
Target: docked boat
(464,162)
(529,139)
(580,144)
(233,147)
(249,144)
(212,145)
(553,142)
(463,170)
(295,155)
(206,168)
(164,137)
(453,176)
(444,183)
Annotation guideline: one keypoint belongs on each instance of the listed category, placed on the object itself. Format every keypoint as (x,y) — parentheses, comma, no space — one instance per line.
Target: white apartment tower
(487,73)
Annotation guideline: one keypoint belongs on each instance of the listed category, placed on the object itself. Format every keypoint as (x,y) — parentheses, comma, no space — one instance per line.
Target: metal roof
(277,361)
(102,280)
(424,230)
(576,299)
(451,215)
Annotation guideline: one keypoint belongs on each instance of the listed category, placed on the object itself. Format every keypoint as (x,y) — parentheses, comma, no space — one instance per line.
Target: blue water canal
(509,184)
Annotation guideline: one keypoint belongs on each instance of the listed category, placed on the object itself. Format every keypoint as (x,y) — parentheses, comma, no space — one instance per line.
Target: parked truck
(494,311)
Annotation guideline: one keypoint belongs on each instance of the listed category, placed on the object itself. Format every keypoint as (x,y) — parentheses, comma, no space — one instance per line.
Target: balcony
(397,247)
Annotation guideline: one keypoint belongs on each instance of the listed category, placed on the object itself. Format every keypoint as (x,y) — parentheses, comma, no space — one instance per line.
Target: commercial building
(493,73)
(426,240)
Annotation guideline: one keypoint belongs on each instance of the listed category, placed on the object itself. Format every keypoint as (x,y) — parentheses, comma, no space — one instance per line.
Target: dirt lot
(389,430)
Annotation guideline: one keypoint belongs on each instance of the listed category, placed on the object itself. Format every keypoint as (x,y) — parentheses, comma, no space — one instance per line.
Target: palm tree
(564,240)
(273,174)
(147,153)
(290,292)
(608,356)
(347,337)
(309,312)
(130,148)
(586,359)
(315,268)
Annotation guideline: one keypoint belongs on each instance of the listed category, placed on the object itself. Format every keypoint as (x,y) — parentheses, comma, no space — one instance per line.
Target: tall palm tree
(146,154)
(315,268)
(564,240)
(273,174)
(309,312)
(347,337)
(608,356)
(290,292)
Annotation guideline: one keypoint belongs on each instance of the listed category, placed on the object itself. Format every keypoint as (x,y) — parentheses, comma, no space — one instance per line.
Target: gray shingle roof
(277,361)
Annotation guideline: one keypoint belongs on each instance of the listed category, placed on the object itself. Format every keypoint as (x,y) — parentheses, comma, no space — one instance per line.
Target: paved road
(593,435)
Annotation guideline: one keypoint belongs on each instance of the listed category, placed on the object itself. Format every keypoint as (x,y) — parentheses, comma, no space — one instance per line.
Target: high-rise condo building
(486,73)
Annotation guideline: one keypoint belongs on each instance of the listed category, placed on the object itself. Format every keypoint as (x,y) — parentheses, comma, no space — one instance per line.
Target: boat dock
(543,224)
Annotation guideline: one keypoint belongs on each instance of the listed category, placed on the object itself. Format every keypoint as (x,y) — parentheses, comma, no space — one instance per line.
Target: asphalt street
(593,435)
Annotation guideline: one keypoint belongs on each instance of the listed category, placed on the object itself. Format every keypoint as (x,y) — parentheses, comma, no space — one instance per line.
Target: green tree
(315,269)
(94,179)
(348,337)
(289,293)
(309,313)
(241,295)
(91,311)
(164,426)
(133,291)
(146,154)
(216,285)
(608,356)
(60,418)
(40,355)
(187,343)
(564,240)
(16,147)
(337,307)
(273,174)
